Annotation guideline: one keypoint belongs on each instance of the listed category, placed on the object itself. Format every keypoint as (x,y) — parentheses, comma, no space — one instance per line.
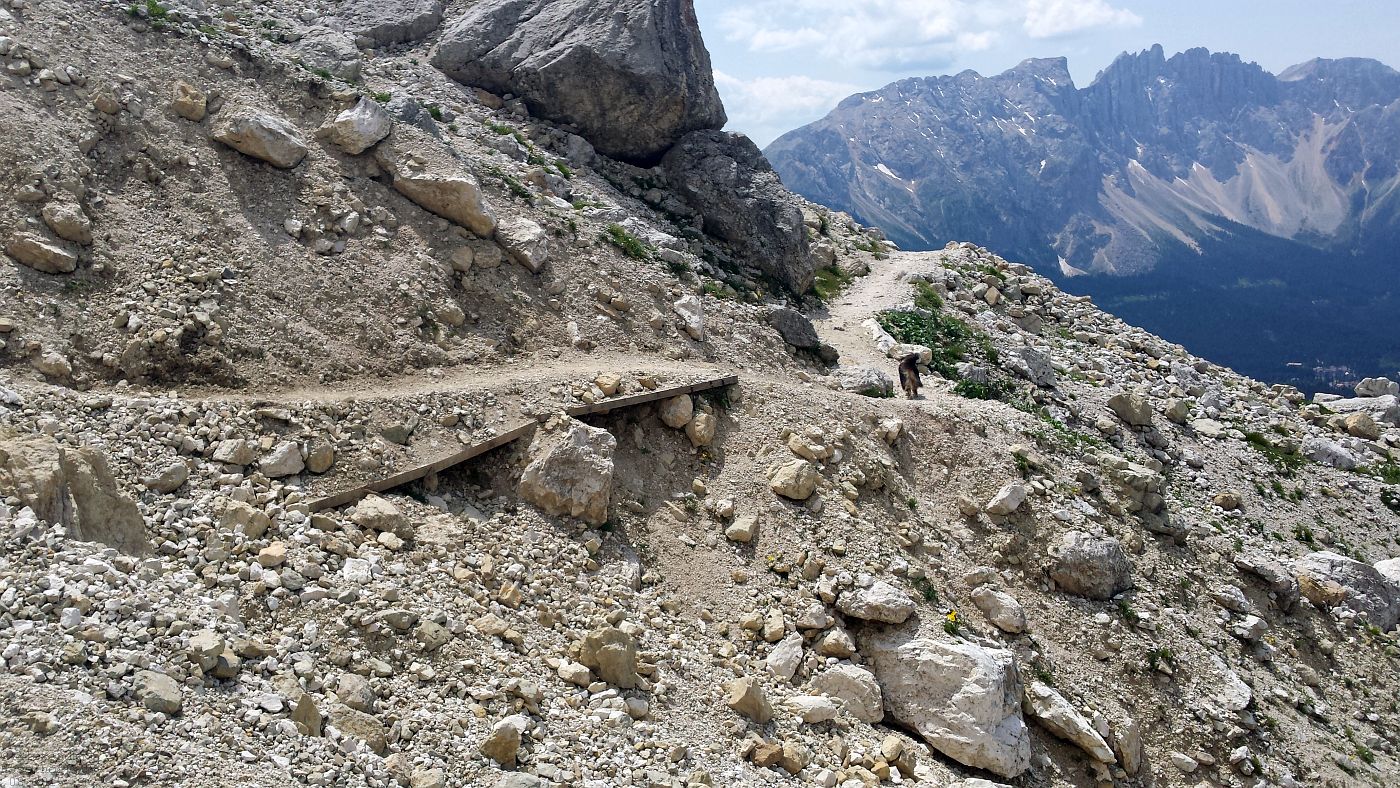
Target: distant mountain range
(1173,170)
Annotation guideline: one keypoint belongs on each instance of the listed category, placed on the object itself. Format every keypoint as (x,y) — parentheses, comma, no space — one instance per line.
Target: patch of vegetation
(1391,499)
(1388,473)
(926,590)
(873,246)
(1129,614)
(1304,534)
(875,392)
(1158,656)
(1286,462)
(949,338)
(829,282)
(912,503)
(323,73)
(564,169)
(517,188)
(1043,674)
(995,390)
(630,244)
(925,297)
(382,97)
(506,131)
(823,226)
(435,112)
(951,624)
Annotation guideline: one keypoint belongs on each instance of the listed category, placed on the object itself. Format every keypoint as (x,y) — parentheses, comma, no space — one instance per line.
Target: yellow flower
(953,616)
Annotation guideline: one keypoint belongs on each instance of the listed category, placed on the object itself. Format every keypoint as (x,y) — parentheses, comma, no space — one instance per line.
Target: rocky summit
(364,423)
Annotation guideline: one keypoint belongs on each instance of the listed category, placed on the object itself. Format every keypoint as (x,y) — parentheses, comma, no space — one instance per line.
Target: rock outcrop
(632,75)
(437,182)
(1333,580)
(374,23)
(262,135)
(72,488)
(741,201)
(963,699)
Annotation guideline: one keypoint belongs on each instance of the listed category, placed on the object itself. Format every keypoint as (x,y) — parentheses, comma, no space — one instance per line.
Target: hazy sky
(783,63)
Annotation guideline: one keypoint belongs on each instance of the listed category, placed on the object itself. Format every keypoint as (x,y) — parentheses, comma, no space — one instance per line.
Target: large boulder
(632,75)
(375,23)
(868,381)
(73,488)
(880,602)
(1091,567)
(262,135)
(424,172)
(570,470)
(41,254)
(794,327)
(612,654)
(359,128)
(963,699)
(1331,579)
(726,180)
(855,687)
(1058,716)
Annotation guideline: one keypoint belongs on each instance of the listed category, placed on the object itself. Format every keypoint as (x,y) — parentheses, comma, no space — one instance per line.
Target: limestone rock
(525,241)
(262,135)
(40,254)
(68,222)
(428,176)
(963,699)
(1366,591)
(234,451)
(701,429)
(726,179)
(691,311)
(1056,715)
(612,653)
(1000,608)
(379,514)
(746,696)
(794,327)
(1132,407)
(1377,387)
(570,471)
(856,688)
(880,602)
(811,709)
(330,50)
(1007,500)
(188,101)
(158,692)
(284,460)
(796,480)
(632,75)
(168,479)
(375,23)
(867,381)
(742,529)
(783,660)
(676,411)
(73,488)
(1091,567)
(359,128)
(362,726)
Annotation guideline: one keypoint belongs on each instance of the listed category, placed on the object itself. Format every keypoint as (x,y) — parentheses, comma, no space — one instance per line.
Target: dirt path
(883,288)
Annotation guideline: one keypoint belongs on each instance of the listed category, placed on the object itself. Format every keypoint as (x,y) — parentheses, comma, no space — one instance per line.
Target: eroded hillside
(287,256)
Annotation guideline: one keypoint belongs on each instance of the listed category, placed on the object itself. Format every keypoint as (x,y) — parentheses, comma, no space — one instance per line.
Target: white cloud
(1051,18)
(906,34)
(766,107)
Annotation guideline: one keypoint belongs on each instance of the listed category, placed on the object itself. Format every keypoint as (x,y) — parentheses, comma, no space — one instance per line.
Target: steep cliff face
(1156,153)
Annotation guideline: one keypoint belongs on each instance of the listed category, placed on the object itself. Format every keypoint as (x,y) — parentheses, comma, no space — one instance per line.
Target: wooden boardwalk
(515,433)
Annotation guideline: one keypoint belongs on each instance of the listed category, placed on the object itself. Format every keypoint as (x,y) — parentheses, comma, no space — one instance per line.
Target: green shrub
(630,244)
(829,282)
(949,338)
(1286,462)
(995,390)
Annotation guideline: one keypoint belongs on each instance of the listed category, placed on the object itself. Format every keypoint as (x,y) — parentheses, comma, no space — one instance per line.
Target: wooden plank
(416,473)
(632,400)
(477,449)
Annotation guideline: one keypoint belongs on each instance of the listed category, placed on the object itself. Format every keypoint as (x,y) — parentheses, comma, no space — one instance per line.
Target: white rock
(785,657)
(1007,500)
(964,700)
(359,128)
(880,602)
(1056,715)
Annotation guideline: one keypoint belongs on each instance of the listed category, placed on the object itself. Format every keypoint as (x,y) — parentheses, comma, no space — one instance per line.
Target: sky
(780,64)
